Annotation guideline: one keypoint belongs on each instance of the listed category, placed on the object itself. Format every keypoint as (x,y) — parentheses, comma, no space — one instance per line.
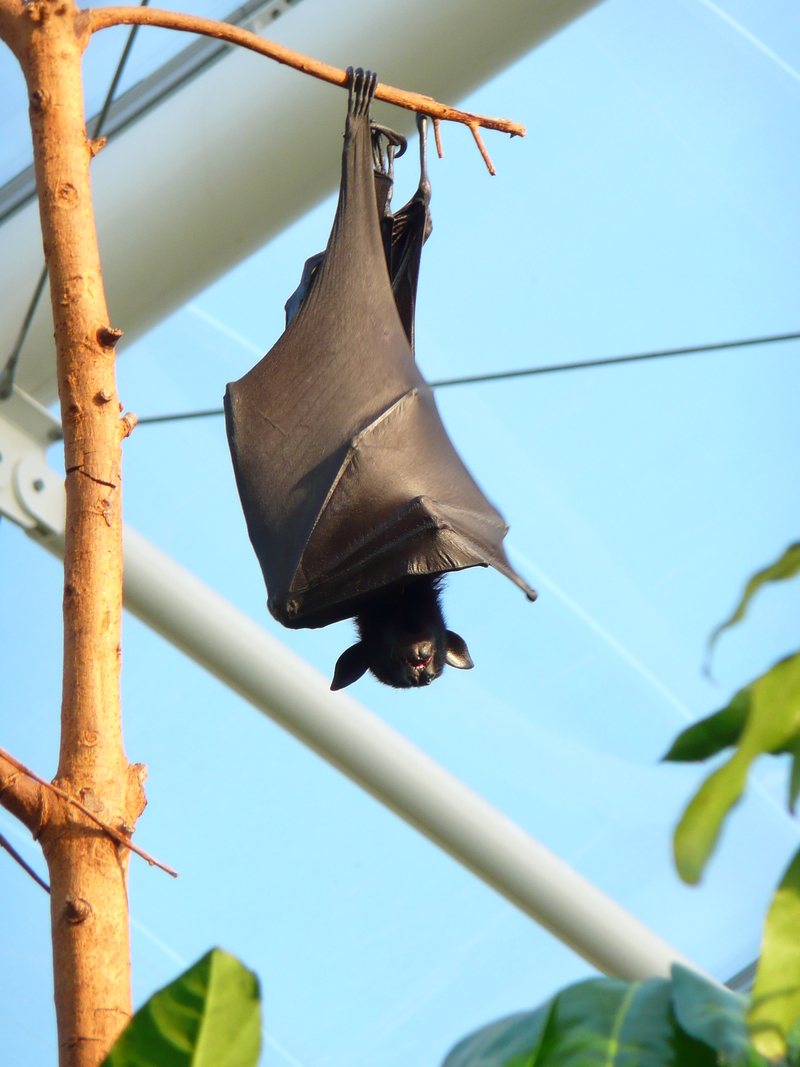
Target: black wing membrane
(410,228)
(348,480)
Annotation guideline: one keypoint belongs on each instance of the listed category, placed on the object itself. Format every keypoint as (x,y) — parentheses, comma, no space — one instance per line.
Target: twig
(103,17)
(438,135)
(482,147)
(5,843)
(120,838)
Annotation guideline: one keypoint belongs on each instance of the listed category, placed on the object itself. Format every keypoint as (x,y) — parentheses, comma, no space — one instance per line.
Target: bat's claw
(362,85)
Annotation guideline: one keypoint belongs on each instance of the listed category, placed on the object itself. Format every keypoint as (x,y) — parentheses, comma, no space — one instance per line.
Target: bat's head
(404,640)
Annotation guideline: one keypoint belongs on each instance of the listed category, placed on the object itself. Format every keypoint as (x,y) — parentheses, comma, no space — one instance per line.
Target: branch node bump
(95,145)
(108,336)
(128,423)
(39,99)
(77,910)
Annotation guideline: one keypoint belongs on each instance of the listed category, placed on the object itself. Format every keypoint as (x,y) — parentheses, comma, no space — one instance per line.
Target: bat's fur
(404,639)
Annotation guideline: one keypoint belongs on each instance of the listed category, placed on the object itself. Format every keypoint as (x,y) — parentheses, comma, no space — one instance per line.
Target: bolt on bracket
(31,492)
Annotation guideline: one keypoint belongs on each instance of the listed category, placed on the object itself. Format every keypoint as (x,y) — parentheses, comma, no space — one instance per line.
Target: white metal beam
(279,683)
(232,158)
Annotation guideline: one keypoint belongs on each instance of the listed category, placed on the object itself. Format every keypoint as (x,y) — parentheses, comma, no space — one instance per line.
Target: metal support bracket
(31,492)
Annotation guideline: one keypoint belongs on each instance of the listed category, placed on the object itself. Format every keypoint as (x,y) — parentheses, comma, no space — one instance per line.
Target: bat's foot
(362,85)
(383,158)
(424,188)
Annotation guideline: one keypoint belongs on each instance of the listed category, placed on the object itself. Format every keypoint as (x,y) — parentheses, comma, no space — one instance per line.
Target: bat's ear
(458,653)
(350,666)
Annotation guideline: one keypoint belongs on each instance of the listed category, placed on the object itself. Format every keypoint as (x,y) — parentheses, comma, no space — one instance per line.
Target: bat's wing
(347,478)
(402,504)
(411,228)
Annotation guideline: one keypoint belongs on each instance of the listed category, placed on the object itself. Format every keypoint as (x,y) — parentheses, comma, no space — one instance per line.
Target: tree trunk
(88,871)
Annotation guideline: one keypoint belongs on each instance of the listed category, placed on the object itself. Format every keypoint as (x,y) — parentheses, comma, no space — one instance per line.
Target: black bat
(355,500)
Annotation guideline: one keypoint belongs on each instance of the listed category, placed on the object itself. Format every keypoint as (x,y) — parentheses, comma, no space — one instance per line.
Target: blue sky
(653,204)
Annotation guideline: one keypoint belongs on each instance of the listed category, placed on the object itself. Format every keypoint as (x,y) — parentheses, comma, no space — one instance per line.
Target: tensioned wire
(529,372)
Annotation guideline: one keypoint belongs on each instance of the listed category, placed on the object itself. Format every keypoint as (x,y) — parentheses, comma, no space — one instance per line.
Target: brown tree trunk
(88,871)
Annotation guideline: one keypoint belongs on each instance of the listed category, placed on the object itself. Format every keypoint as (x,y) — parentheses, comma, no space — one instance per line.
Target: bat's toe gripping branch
(362,86)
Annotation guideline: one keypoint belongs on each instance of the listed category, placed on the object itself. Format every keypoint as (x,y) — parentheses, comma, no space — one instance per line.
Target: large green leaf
(772,724)
(607,1022)
(712,1014)
(785,567)
(208,1017)
(709,736)
(510,1042)
(776,992)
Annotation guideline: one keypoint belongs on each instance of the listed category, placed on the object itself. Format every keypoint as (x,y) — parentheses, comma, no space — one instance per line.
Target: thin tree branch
(437,133)
(22,797)
(482,148)
(118,837)
(103,17)
(6,844)
(10,13)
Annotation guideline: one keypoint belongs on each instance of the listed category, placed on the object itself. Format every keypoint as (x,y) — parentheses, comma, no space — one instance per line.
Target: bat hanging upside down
(356,502)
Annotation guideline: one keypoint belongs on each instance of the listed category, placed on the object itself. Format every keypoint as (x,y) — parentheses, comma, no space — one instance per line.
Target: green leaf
(606,1022)
(776,993)
(511,1042)
(709,736)
(712,1014)
(793,1043)
(208,1017)
(793,748)
(786,567)
(773,722)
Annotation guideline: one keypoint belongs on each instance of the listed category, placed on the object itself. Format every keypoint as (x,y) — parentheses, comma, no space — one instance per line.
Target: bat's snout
(420,654)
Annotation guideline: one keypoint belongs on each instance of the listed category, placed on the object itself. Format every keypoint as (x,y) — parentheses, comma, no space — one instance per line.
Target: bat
(356,502)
